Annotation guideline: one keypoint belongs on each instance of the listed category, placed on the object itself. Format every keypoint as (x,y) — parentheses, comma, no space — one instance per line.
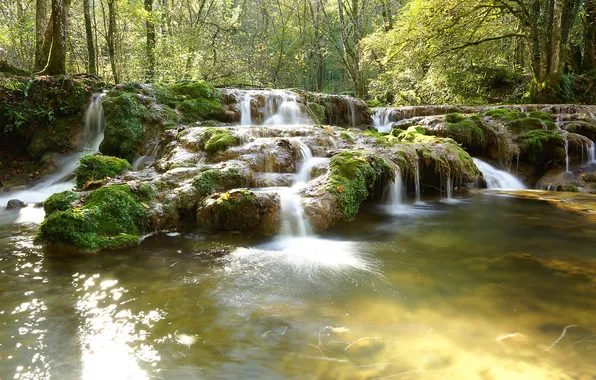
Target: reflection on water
(490,287)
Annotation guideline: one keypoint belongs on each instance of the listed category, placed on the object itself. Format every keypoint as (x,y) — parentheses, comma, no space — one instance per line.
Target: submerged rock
(14,204)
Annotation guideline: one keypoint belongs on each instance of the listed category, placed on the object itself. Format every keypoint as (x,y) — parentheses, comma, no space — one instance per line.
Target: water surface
(490,287)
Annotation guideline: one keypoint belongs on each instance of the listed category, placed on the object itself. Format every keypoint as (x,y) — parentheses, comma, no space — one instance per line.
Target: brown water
(488,288)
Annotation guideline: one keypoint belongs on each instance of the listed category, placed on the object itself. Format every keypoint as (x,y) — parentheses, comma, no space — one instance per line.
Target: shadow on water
(490,287)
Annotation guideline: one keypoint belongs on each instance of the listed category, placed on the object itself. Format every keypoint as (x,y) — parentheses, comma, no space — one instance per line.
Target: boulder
(15,204)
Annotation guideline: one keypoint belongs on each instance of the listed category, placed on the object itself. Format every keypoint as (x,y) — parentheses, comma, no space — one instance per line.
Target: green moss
(526,124)
(541,147)
(506,114)
(202,109)
(466,132)
(540,115)
(371,103)
(98,167)
(347,137)
(194,89)
(111,217)
(215,140)
(126,124)
(454,117)
(317,113)
(412,134)
(549,125)
(60,201)
(219,180)
(583,128)
(354,176)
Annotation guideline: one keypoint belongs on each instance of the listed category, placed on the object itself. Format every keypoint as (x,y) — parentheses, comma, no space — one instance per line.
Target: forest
(395,52)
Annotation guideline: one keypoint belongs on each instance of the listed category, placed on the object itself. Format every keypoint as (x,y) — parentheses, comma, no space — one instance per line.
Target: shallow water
(483,288)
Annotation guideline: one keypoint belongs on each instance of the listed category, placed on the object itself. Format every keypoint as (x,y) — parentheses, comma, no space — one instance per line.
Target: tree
(150,49)
(57,58)
(90,38)
(111,39)
(40,26)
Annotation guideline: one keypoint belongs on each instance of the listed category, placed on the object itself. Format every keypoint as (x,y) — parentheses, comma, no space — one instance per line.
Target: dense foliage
(397,52)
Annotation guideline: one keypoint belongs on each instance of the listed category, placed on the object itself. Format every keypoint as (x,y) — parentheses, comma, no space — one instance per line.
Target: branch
(475,43)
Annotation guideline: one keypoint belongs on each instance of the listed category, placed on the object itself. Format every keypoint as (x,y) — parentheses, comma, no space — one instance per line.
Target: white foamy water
(498,179)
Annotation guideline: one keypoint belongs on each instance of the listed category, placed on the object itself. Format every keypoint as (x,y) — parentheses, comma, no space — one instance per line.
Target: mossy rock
(589,177)
(216,140)
(127,119)
(347,137)
(241,210)
(110,218)
(582,128)
(454,117)
(194,89)
(465,131)
(99,167)
(316,113)
(568,188)
(526,124)
(60,202)
(354,176)
(220,180)
(506,114)
(540,115)
(539,147)
(202,109)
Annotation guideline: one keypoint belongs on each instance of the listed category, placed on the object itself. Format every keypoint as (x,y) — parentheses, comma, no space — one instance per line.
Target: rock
(241,210)
(38,205)
(14,204)
(98,167)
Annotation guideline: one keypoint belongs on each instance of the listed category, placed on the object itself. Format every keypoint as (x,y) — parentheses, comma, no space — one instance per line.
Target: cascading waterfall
(64,179)
(245,116)
(449,190)
(294,222)
(283,109)
(498,179)
(381,120)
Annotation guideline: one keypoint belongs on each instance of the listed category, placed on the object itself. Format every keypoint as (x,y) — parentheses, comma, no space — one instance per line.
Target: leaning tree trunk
(150,41)
(90,44)
(57,60)
(40,26)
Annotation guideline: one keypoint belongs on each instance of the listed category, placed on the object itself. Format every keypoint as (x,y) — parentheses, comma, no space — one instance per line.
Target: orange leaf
(340,189)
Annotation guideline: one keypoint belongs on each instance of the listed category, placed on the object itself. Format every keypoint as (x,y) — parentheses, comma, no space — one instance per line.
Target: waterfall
(352,113)
(381,120)
(245,117)
(449,190)
(294,222)
(417,182)
(396,192)
(498,179)
(592,154)
(64,178)
(283,109)
(566,154)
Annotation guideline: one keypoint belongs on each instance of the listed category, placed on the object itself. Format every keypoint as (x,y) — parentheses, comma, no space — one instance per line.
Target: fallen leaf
(144,205)
(340,189)
(225,196)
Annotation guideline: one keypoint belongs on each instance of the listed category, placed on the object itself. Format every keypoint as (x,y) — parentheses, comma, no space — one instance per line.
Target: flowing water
(592,153)
(492,287)
(245,116)
(63,179)
(382,119)
(498,179)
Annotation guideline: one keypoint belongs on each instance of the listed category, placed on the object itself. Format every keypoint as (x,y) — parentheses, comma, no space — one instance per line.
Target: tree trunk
(90,44)
(40,27)
(111,39)
(57,60)
(589,57)
(150,41)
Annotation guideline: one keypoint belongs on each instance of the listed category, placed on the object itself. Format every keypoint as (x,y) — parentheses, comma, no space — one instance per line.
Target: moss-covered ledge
(99,167)
(108,218)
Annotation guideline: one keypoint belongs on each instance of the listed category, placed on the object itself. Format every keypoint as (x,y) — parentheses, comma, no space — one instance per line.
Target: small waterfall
(417,182)
(283,109)
(245,116)
(64,178)
(381,119)
(303,174)
(498,179)
(449,190)
(294,222)
(566,154)
(592,154)
(352,113)
(396,192)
